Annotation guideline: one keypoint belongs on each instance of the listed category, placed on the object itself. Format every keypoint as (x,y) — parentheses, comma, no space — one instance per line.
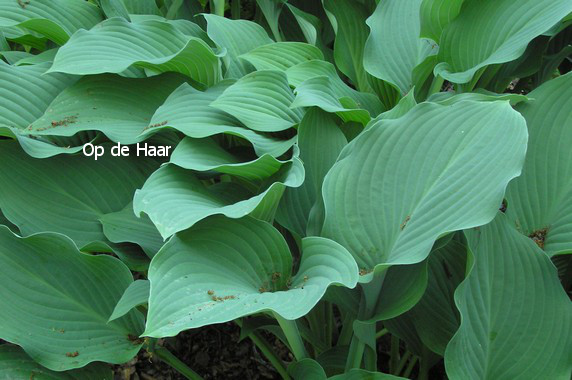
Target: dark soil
(214,352)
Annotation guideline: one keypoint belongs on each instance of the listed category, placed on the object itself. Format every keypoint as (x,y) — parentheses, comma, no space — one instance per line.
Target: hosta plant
(384,186)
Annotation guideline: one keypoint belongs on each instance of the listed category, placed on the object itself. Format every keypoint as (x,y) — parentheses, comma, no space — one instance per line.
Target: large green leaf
(347,18)
(301,72)
(16,364)
(116,44)
(26,92)
(393,48)
(516,320)
(188,111)
(223,269)
(493,31)
(125,227)
(106,103)
(409,190)
(261,100)
(60,192)
(436,15)
(540,201)
(320,141)
(57,20)
(237,37)
(320,92)
(175,199)
(136,294)
(57,300)
(206,155)
(435,317)
(282,55)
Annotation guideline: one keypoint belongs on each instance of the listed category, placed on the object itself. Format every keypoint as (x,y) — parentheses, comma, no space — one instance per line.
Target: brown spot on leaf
(539,236)
(210,292)
(72,354)
(364,271)
(402,226)
(134,339)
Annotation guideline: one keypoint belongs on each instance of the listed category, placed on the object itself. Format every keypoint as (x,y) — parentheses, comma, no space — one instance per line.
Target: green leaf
(57,302)
(70,204)
(436,15)
(261,100)
(320,92)
(435,317)
(479,36)
(271,10)
(237,37)
(57,20)
(320,142)
(347,18)
(188,111)
(307,70)
(360,374)
(114,8)
(16,364)
(409,190)
(26,92)
(142,7)
(136,294)
(105,103)
(175,199)
(206,155)
(516,320)
(540,201)
(115,45)
(223,269)
(447,98)
(282,55)
(393,48)
(125,227)
(306,369)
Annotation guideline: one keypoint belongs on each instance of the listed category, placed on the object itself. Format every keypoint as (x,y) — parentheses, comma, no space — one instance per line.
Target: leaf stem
(217,7)
(269,353)
(381,333)
(394,359)
(290,329)
(166,356)
(235,9)
(436,85)
(410,367)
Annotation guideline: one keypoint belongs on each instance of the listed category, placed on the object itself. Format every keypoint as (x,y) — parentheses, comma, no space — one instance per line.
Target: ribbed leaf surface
(136,294)
(70,204)
(493,31)
(516,320)
(57,20)
(261,100)
(282,55)
(175,198)
(223,269)
(56,302)
(115,45)
(189,111)
(540,201)
(16,364)
(409,190)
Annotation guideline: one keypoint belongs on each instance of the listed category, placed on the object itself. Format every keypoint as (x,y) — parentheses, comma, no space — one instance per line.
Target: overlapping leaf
(188,111)
(408,190)
(222,269)
(61,194)
(175,199)
(106,103)
(115,45)
(540,201)
(516,320)
(492,31)
(56,302)
(57,20)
